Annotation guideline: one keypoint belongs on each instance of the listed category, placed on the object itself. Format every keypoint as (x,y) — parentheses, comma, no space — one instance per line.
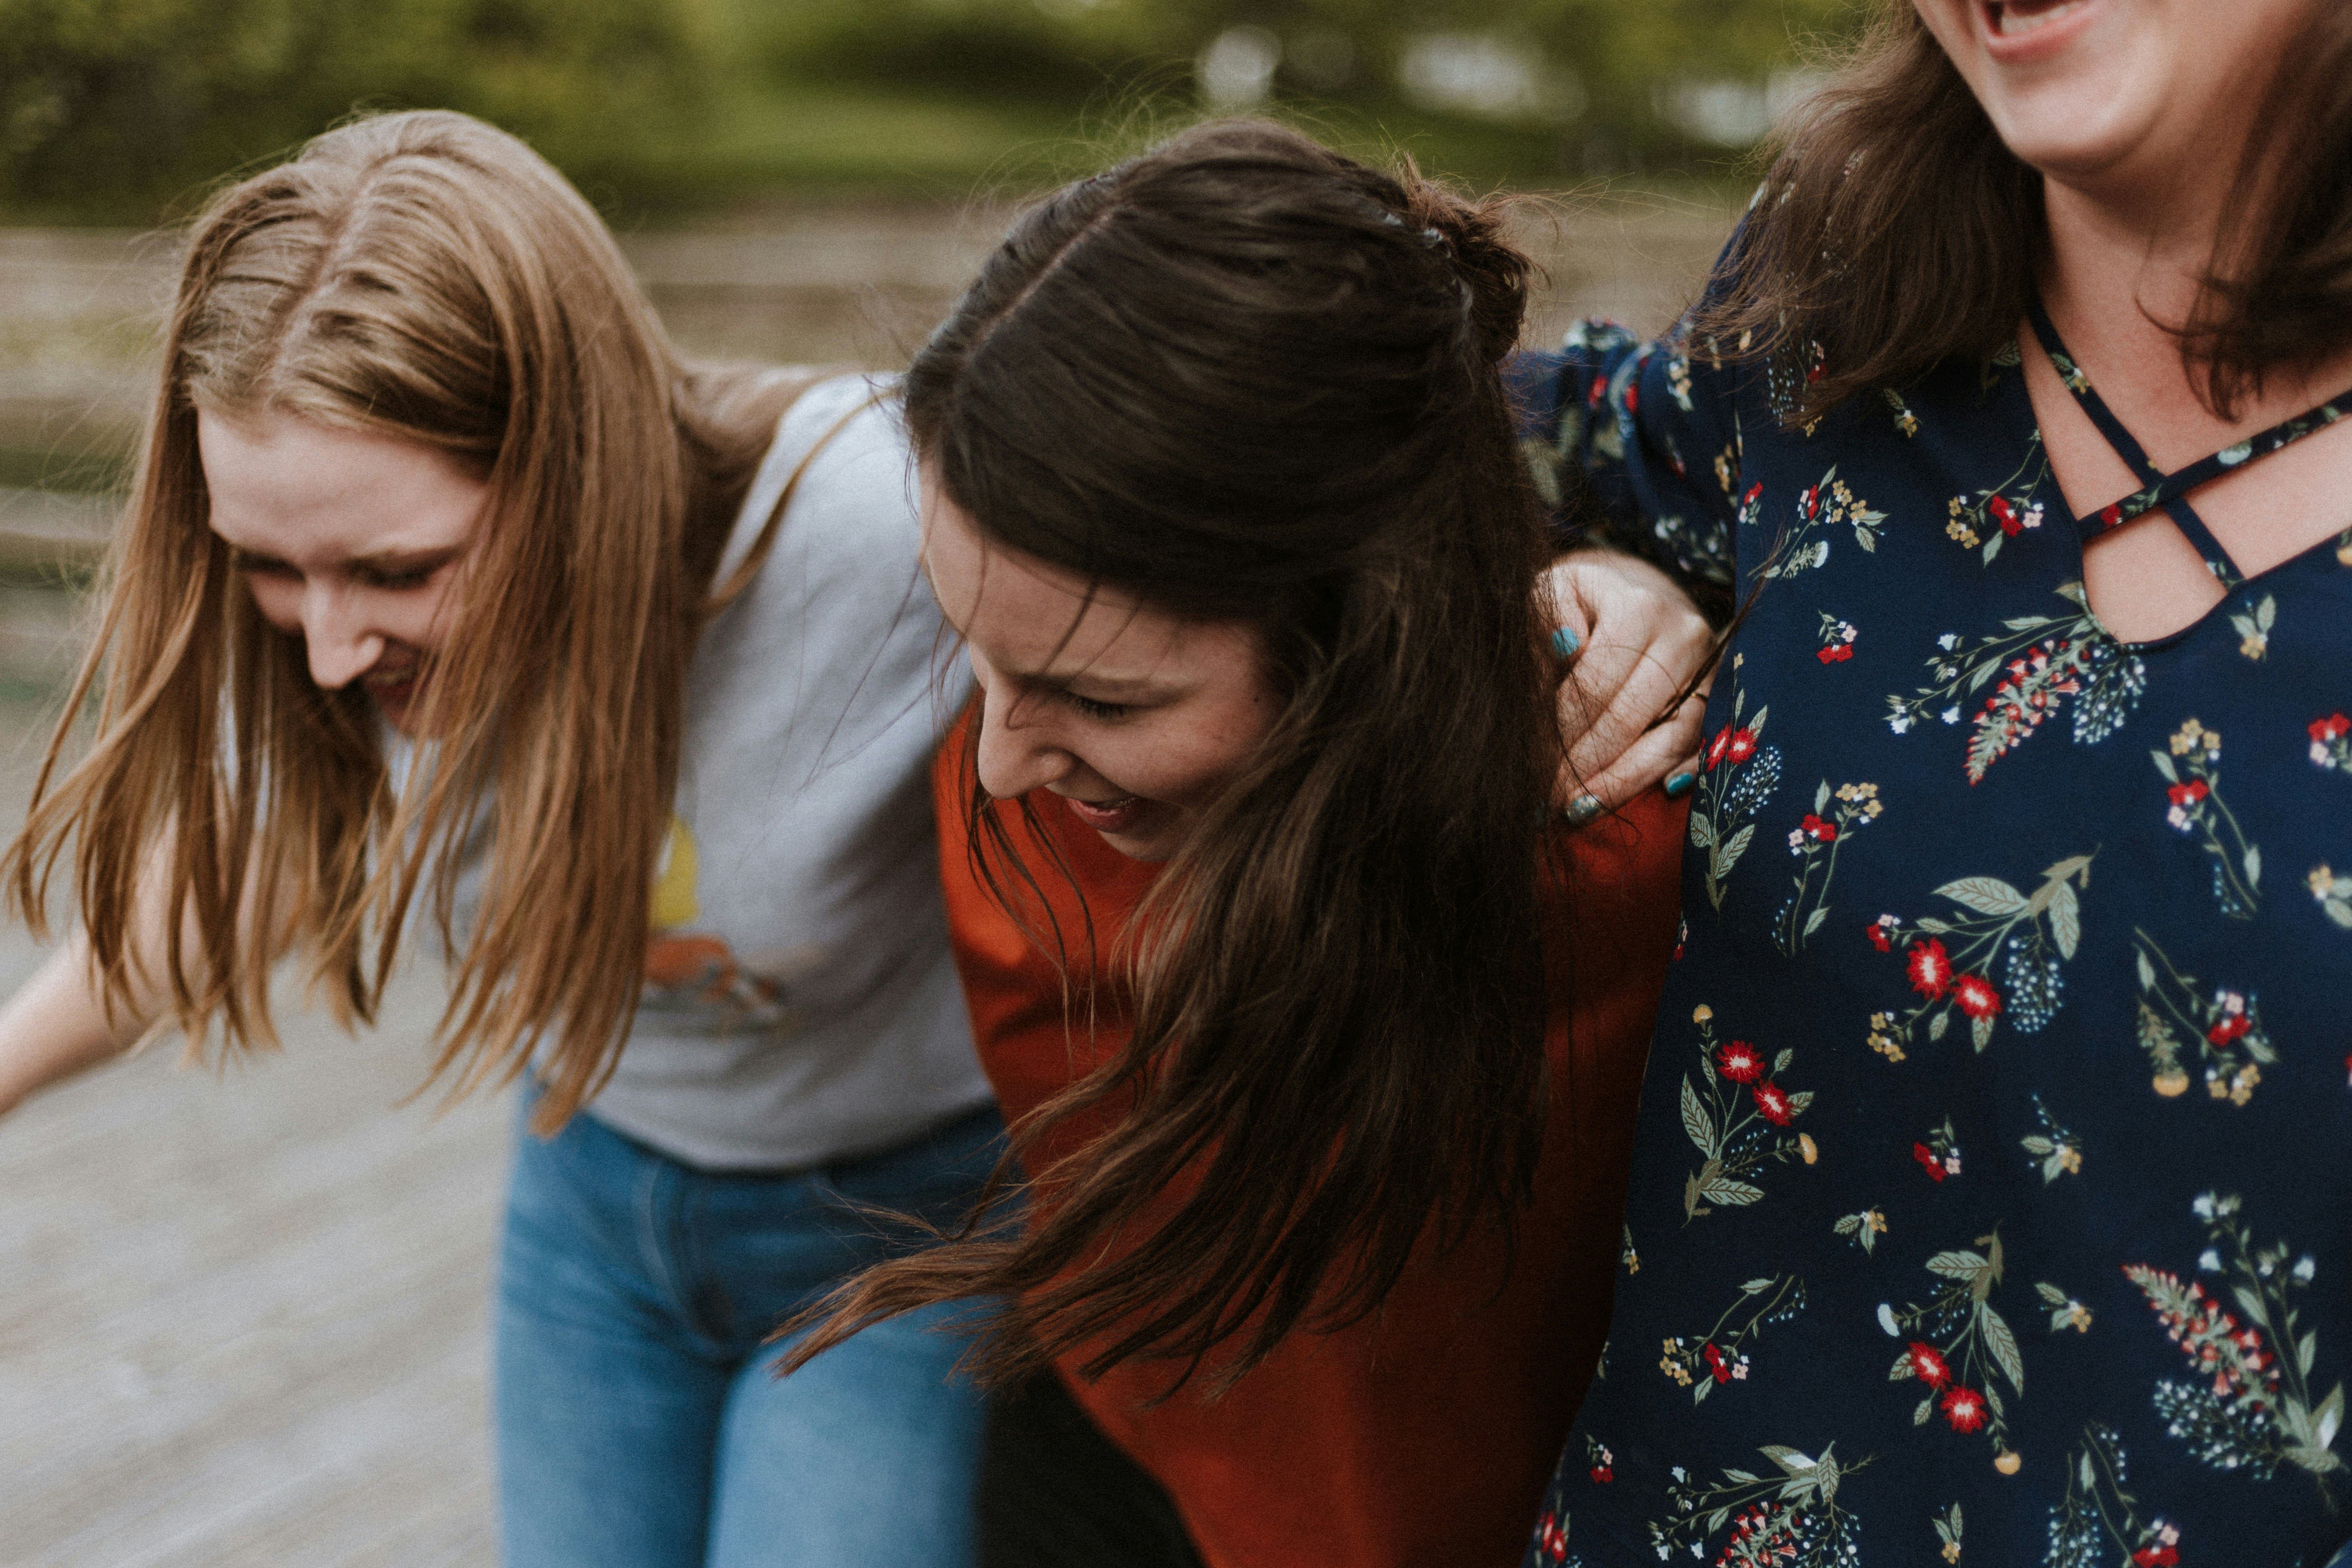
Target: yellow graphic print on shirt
(694,981)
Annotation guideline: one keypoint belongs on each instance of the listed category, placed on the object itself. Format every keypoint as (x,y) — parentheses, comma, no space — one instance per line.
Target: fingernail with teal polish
(1680,785)
(1584,809)
(1564,642)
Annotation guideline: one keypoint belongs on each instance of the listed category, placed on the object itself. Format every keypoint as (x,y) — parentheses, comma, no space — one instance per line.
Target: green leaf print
(1736,1114)
(1703,1363)
(2247,1405)
(2097,1524)
(1816,842)
(2022,938)
(2040,662)
(2222,1025)
(2192,774)
(1791,1519)
(1957,1341)
(1737,777)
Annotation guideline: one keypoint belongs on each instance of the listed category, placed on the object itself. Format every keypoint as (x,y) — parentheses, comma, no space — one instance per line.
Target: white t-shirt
(801,1005)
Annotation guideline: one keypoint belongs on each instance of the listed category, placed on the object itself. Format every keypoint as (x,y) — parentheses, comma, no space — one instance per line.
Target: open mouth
(1107,815)
(2016,19)
(392,690)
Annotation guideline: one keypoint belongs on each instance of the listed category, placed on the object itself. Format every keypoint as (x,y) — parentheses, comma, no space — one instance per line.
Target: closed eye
(262,566)
(1094,709)
(395,579)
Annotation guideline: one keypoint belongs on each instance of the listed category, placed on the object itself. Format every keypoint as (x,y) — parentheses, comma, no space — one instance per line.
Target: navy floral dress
(1992,1196)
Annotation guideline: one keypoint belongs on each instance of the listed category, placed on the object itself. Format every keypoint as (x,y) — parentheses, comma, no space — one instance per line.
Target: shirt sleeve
(1637,444)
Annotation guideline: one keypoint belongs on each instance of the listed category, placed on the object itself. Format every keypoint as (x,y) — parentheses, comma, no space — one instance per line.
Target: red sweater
(1424,1434)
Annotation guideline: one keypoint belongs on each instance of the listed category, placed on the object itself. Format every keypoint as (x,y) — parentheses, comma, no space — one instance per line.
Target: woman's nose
(341,644)
(1016,756)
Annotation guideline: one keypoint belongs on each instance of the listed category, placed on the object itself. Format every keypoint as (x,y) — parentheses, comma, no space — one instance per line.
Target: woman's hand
(1632,640)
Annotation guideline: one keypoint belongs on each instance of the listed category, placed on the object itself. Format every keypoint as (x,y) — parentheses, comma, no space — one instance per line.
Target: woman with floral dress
(1987,1198)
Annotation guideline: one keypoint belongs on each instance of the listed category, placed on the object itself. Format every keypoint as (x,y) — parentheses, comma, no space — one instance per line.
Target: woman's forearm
(55,1026)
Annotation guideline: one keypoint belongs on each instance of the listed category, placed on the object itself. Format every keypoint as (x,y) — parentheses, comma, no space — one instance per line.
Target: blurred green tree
(118,108)
(127,103)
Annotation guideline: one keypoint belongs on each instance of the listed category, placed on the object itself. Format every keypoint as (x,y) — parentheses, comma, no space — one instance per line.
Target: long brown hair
(1895,230)
(1248,380)
(427,277)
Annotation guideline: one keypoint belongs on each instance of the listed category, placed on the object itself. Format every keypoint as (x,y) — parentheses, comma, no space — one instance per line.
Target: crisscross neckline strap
(2159,488)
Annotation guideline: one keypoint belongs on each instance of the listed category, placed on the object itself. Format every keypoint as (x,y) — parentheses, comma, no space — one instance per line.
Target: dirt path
(241,1314)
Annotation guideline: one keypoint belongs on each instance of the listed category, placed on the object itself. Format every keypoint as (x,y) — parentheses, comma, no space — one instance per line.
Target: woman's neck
(2130,253)
(2126,263)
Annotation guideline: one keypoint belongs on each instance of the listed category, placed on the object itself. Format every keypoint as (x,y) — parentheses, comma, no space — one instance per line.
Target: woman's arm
(55,1026)
(1635,451)
(1636,445)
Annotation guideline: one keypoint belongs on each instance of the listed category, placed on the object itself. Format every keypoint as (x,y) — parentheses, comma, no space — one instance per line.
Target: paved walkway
(241,1313)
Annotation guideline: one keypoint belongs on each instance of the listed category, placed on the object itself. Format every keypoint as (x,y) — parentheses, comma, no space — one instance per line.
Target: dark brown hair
(1247,380)
(1895,230)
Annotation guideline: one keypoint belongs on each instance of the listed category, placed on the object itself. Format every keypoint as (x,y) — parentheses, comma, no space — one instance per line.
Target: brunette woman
(1321,1042)
(1989,1199)
(449,595)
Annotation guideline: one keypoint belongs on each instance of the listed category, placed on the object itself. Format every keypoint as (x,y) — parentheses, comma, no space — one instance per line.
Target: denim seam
(653,1244)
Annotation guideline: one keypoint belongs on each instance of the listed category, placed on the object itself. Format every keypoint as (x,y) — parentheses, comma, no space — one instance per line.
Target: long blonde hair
(427,277)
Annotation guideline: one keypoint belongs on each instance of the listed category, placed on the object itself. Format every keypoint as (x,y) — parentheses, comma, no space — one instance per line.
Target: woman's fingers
(1665,758)
(1639,640)
(1572,629)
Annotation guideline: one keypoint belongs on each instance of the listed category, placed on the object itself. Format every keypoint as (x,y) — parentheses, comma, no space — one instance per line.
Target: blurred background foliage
(115,111)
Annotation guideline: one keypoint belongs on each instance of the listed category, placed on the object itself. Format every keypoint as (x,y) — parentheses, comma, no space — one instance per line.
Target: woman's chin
(397,701)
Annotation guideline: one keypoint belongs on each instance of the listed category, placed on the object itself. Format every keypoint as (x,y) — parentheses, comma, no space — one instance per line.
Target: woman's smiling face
(1137,718)
(353,542)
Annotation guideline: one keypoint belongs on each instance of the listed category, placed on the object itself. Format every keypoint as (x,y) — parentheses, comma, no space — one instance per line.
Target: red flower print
(1600,389)
(1881,933)
(1814,827)
(1930,967)
(1926,1158)
(2006,515)
(2230,1027)
(2111,515)
(1928,1365)
(1740,1061)
(1633,397)
(1718,746)
(1836,653)
(1551,1539)
(1603,1475)
(1976,997)
(1964,1408)
(2156,1557)
(2334,727)
(1772,1104)
(2188,794)
(1717,1364)
(1811,504)
(1742,745)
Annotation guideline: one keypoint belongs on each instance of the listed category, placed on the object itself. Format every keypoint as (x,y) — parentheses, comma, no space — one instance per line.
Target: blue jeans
(639,1423)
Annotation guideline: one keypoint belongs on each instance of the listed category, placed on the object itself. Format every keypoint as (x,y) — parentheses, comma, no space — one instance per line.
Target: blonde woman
(450,599)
